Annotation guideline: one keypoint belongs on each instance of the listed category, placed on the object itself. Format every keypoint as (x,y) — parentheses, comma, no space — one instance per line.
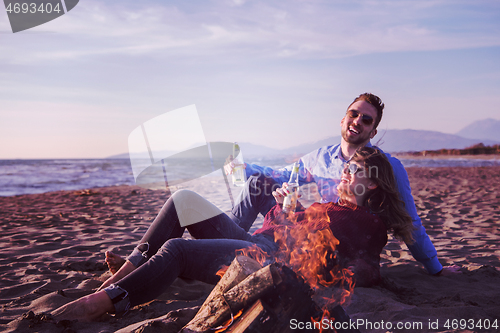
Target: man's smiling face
(355,126)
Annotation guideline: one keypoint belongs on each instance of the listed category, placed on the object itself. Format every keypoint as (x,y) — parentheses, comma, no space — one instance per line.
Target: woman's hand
(280,193)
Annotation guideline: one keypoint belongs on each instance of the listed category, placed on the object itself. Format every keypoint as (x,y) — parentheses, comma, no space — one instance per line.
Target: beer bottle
(290,202)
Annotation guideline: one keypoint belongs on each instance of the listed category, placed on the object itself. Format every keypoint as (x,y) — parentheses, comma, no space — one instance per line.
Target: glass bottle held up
(239,173)
(290,201)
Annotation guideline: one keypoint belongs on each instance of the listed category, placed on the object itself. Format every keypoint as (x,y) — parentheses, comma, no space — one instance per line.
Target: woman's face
(355,180)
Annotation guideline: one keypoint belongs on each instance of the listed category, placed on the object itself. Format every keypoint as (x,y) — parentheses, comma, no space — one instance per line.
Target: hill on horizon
(486,129)
(391,141)
(418,140)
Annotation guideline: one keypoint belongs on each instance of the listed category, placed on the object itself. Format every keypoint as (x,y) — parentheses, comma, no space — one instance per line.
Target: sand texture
(53,248)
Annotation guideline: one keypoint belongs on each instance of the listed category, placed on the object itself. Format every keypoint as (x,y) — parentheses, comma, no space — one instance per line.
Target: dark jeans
(256,197)
(162,256)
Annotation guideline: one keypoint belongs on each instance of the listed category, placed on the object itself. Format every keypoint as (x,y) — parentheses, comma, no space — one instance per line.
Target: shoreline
(45,178)
(447,157)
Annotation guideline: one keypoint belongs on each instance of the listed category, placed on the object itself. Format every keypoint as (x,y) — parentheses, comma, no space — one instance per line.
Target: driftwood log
(257,319)
(290,302)
(240,268)
(272,299)
(246,282)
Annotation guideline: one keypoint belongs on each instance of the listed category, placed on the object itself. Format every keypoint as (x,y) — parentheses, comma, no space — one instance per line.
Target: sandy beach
(53,245)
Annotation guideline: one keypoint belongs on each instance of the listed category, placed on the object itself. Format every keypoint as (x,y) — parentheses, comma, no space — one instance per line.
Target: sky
(273,73)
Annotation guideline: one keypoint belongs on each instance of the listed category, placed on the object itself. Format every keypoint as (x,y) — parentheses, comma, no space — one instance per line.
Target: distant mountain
(124,155)
(252,150)
(487,129)
(390,141)
(309,147)
(416,140)
(142,155)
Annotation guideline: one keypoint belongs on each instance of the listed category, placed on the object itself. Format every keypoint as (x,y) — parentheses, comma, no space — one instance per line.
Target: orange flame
(308,247)
(222,271)
(319,321)
(253,252)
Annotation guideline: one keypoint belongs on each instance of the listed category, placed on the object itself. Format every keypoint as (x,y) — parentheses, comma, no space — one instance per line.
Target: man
(324,166)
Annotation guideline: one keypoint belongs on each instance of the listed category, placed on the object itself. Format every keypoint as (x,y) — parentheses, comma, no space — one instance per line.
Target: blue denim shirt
(325,165)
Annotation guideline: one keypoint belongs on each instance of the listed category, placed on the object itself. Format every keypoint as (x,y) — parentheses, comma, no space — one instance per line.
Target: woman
(369,205)
(367,184)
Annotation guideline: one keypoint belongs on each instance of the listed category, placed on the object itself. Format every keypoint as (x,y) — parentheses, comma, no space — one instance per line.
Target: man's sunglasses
(366,119)
(353,168)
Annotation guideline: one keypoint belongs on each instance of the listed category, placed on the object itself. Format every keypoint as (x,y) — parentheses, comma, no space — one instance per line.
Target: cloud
(249,29)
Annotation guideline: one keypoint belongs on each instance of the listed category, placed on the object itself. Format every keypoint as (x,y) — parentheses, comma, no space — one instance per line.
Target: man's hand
(229,165)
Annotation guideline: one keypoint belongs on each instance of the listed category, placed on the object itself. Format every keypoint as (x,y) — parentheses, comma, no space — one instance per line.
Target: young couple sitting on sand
(372,197)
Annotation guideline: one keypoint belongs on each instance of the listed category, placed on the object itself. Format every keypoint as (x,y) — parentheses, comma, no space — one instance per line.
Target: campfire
(303,287)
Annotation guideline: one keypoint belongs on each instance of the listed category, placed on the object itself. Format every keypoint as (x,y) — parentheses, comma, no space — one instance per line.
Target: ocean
(39,176)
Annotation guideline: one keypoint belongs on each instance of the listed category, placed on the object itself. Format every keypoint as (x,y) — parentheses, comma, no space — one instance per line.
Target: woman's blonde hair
(384,200)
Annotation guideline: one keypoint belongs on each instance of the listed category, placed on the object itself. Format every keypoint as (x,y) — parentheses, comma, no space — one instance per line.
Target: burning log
(292,301)
(221,304)
(257,319)
(241,267)
(271,299)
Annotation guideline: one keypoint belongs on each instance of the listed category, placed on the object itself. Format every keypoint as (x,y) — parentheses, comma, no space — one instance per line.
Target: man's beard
(354,140)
